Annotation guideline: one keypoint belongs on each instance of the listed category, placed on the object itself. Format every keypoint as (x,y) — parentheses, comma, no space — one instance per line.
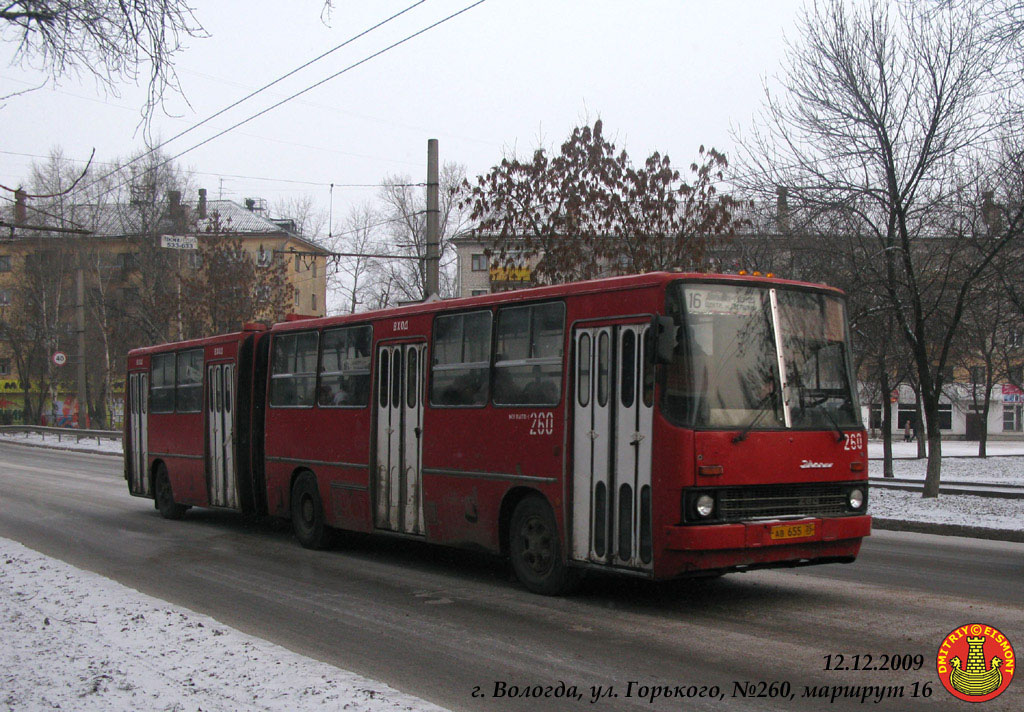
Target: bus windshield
(725,372)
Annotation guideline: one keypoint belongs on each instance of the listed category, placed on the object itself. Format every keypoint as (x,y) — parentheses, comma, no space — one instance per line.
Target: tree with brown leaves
(588,211)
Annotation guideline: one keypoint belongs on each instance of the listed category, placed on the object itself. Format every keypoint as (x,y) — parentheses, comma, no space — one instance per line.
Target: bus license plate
(792,531)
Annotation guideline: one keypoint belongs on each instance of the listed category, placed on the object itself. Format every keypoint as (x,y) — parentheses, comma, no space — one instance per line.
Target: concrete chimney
(782,208)
(988,207)
(202,204)
(174,211)
(20,207)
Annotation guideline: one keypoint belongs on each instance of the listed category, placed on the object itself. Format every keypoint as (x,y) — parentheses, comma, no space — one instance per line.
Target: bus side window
(161,384)
(461,359)
(528,367)
(345,367)
(293,374)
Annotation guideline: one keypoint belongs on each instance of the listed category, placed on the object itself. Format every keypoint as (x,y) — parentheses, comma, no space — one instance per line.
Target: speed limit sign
(59,358)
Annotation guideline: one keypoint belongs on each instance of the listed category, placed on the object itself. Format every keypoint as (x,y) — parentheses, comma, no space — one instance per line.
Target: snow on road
(74,640)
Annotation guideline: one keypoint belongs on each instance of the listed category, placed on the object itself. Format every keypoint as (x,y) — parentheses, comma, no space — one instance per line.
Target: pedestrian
(906,432)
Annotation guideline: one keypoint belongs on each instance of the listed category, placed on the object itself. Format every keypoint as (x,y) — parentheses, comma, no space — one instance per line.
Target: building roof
(235,219)
(119,220)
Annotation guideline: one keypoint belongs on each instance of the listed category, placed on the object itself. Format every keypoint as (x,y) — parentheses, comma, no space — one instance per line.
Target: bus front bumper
(753,535)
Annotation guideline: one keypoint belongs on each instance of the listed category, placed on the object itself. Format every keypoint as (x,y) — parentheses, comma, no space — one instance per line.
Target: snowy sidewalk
(74,640)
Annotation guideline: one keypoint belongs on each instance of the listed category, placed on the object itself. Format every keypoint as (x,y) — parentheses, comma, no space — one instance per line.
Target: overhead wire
(253,93)
(309,88)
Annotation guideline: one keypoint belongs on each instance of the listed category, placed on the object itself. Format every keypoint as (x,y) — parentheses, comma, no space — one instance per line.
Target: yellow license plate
(792,531)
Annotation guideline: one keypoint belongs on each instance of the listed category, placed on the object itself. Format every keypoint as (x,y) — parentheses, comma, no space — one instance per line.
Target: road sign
(59,358)
(179,242)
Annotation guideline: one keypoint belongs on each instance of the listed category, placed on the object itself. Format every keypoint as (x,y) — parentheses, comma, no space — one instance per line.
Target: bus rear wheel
(164,495)
(308,513)
(536,551)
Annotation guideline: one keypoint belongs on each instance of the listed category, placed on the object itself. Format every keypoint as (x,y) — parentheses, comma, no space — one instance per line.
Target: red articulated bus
(661,425)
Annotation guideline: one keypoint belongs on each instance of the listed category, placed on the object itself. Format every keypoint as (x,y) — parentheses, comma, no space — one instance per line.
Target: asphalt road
(443,624)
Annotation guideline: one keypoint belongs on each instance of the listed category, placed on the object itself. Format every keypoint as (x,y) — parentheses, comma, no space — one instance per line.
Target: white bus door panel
(613,422)
(138,412)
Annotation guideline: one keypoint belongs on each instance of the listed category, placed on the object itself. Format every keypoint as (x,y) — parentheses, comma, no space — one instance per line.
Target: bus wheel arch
(306,509)
(163,493)
(534,546)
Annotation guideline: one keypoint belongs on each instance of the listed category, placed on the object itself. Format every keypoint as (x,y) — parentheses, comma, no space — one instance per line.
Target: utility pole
(433,218)
(83,403)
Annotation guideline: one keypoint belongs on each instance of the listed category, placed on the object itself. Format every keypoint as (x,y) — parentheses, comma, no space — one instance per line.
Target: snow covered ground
(74,640)
(64,442)
(950,448)
(953,509)
(995,470)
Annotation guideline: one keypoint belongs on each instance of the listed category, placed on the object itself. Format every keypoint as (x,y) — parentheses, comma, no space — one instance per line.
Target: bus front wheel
(308,513)
(536,550)
(164,495)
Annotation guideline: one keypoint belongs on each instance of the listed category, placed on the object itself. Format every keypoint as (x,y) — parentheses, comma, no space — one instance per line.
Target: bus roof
(593,286)
(198,343)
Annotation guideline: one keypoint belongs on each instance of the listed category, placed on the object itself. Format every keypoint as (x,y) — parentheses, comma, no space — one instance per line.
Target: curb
(899,525)
(63,449)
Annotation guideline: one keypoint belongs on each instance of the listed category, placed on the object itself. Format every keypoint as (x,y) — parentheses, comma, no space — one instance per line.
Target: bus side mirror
(666,338)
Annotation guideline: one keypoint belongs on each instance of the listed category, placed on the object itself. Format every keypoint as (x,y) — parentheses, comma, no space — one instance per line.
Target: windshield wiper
(742,435)
(828,414)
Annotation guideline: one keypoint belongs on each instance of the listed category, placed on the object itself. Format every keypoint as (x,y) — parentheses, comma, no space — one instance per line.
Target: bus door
(138,417)
(220,435)
(398,483)
(612,426)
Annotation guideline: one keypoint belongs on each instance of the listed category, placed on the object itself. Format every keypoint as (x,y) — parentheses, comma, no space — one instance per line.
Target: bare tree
(112,40)
(403,217)
(358,238)
(885,113)
(304,214)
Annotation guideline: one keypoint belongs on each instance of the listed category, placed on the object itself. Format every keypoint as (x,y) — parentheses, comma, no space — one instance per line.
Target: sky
(505,77)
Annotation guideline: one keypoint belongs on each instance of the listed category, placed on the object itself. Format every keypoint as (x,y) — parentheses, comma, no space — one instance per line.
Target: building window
(462,346)
(125,260)
(905,414)
(479,292)
(945,416)
(195,259)
(1016,375)
(5,263)
(297,263)
(293,370)
(1012,418)
(528,356)
(479,263)
(313,267)
(298,298)
(312,301)
(5,367)
(977,374)
(5,297)
(875,417)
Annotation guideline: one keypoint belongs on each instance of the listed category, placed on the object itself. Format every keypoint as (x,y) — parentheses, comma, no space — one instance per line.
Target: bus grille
(817,500)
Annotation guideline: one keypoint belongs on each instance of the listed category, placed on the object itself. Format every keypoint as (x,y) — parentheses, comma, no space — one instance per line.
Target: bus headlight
(856,498)
(704,505)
